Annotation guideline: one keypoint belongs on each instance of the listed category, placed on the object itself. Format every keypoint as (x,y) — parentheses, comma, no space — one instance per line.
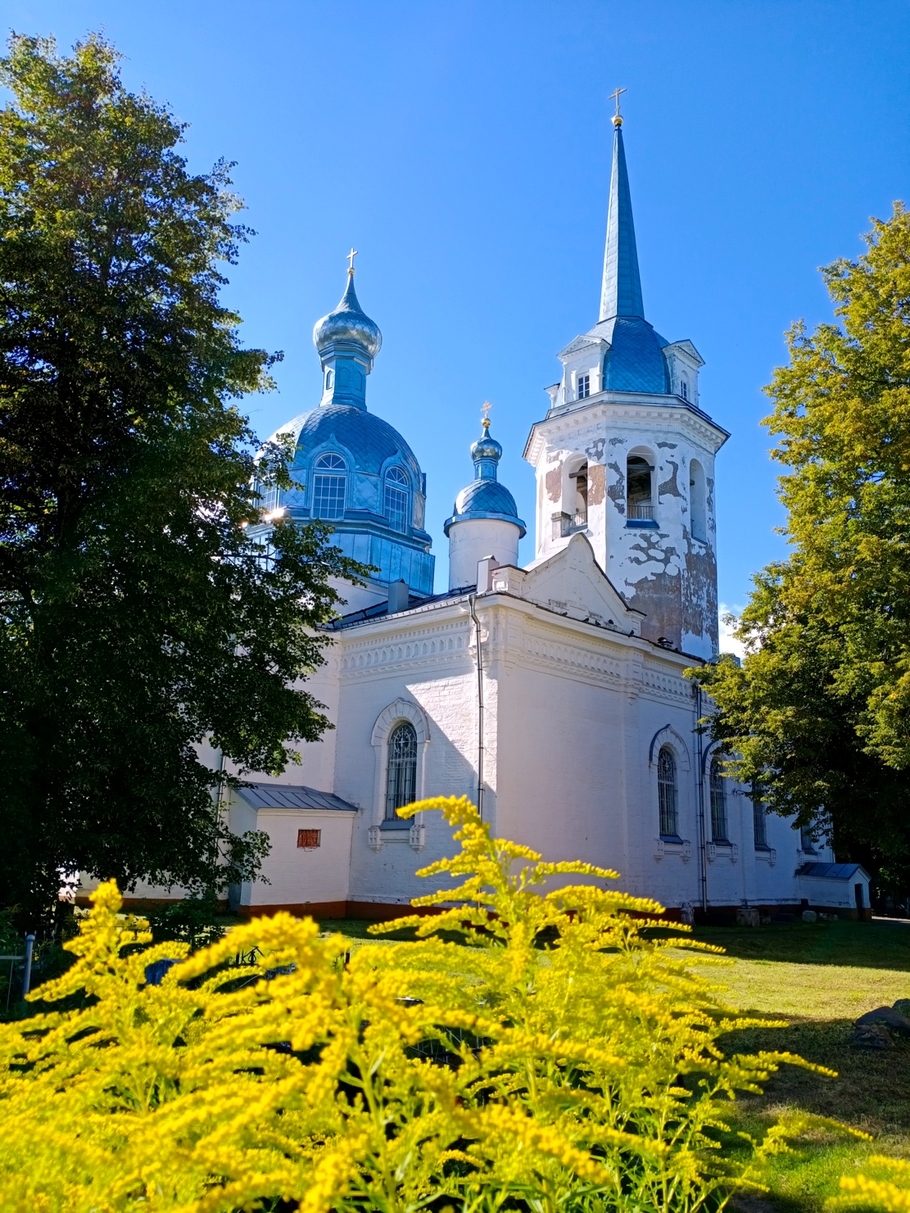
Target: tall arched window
(759,820)
(580,512)
(718,803)
(639,502)
(397,499)
(401,780)
(666,792)
(698,501)
(328,487)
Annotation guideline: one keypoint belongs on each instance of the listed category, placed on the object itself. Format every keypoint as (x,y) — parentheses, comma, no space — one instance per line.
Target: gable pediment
(580,344)
(571,580)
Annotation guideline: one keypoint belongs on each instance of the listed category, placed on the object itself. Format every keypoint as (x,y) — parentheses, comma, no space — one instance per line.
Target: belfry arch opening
(639,488)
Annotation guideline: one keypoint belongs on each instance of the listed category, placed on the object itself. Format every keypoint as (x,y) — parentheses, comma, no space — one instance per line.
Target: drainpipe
(471,600)
(700,800)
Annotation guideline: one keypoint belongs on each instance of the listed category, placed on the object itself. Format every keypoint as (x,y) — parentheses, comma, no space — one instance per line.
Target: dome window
(329,487)
(684,387)
(397,499)
(584,387)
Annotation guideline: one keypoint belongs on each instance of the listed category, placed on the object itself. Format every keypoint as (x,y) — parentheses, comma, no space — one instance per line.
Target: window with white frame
(584,386)
(329,487)
(397,499)
(718,803)
(667,792)
(401,777)
(684,387)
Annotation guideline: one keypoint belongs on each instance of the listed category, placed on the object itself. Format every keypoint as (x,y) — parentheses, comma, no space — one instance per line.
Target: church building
(552,694)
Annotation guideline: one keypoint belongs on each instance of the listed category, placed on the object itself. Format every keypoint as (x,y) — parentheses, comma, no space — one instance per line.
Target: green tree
(819,712)
(138,617)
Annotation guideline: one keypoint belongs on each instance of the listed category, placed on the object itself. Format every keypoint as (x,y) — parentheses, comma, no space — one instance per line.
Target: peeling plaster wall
(660,569)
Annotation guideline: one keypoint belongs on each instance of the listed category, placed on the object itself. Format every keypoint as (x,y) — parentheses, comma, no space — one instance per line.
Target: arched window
(684,387)
(401,780)
(397,499)
(718,803)
(580,511)
(666,792)
(639,502)
(328,487)
(697,501)
(759,819)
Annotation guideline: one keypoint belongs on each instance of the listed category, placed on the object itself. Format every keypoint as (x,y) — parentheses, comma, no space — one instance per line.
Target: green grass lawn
(819,977)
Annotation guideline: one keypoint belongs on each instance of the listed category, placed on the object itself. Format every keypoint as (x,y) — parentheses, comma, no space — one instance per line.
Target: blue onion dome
(486,447)
(485,497)
(348,322)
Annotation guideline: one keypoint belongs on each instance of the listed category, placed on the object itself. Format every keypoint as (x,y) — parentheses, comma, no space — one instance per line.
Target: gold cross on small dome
(485,409)
(614,96)
(351,255)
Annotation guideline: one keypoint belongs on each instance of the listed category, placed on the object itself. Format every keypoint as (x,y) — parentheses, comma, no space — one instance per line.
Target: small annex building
(554,694)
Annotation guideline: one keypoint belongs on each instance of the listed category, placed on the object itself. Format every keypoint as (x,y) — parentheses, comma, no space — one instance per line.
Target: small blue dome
(485,497)
(370,440)
(486,448)
(635,360)
(348,322)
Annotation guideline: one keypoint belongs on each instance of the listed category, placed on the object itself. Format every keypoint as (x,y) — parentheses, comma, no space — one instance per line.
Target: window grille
(578,519)
(718,804)
(584,386)
(396,499)
(666,792)
(401,781)
(309,840)
(328,487)
(759,821)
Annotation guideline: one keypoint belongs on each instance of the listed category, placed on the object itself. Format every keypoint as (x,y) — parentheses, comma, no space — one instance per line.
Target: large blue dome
(372,442)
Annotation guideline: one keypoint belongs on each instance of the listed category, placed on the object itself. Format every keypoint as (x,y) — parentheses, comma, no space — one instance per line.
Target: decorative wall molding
(683,848)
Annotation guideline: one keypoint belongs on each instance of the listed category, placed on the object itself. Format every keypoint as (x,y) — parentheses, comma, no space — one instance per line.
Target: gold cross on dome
(615,95)
(351,255)
(485,409)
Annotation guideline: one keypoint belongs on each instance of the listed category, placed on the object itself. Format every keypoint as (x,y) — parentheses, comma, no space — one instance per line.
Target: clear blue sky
(463,148)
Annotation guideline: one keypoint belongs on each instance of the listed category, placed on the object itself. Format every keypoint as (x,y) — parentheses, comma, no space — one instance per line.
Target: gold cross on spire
(614,96)
(351,255)
(485,409)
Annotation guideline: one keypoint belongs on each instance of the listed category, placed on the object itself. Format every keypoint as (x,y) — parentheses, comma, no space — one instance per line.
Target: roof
(831,871)
(371,441)
(621,289)
(380,610)
(291,796)
(485,499)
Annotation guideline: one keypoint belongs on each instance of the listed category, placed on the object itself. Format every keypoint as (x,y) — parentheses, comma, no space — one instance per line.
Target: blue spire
(621,291)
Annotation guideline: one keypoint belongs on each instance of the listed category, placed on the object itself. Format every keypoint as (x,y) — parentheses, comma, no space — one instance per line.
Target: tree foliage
(138,618)
(491,1074)
(819,712)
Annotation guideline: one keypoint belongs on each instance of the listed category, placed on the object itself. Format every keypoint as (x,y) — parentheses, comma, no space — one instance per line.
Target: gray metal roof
(291,796)
(831,871)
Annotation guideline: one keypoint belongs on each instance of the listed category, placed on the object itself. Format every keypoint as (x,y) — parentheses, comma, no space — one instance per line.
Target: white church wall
(424,660)
(297,875)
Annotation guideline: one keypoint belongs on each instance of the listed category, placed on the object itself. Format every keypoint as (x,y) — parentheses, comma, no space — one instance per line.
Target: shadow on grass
(868,945)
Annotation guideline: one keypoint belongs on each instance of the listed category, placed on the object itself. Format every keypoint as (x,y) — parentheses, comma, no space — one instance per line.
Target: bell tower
(625,454)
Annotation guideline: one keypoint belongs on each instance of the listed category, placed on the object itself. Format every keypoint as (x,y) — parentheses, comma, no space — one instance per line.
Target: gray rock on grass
(886,1017)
